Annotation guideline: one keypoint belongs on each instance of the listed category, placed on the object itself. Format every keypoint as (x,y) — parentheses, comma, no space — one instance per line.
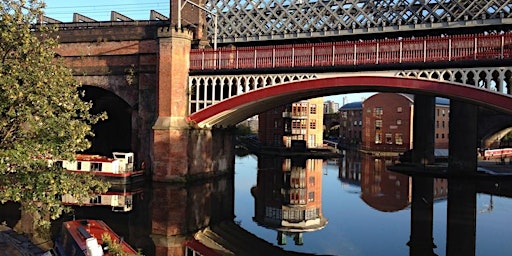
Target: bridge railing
(385,51)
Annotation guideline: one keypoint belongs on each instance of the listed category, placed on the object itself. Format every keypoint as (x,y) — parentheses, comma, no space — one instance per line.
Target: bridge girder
(228,99)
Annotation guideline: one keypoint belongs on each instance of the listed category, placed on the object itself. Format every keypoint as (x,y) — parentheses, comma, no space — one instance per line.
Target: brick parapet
(108,31)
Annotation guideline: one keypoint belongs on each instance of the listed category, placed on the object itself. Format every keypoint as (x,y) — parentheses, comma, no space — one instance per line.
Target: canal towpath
(14,244)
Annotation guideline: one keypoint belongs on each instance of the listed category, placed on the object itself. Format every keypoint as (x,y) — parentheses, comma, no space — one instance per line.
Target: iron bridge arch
(225,100)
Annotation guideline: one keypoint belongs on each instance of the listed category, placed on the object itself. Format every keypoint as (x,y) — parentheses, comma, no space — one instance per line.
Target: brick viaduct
(146,65)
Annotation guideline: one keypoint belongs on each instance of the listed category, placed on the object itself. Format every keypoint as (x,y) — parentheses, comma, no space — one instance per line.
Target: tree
(41,117)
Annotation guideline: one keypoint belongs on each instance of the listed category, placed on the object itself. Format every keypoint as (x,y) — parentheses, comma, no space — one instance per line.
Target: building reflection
(383,190)
(288,196)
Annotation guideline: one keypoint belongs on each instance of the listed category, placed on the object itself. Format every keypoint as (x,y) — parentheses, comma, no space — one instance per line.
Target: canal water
(369,211)
(349,206)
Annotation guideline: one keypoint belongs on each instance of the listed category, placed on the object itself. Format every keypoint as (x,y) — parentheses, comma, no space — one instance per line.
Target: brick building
(387,123)
(298,125)
(351,122)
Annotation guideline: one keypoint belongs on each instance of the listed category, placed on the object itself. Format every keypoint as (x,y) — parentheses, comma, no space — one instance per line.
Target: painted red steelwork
(385,51)
(373,83)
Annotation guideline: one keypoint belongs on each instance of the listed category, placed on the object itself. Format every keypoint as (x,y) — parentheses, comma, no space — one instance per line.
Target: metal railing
(384,51)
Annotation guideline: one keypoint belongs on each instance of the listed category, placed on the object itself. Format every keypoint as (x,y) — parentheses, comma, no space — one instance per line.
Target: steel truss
(256,20)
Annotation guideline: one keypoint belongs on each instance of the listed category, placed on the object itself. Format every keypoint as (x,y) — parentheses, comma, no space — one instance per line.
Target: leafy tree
(41,117)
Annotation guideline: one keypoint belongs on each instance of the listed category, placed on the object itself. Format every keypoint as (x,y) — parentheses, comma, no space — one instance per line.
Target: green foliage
(243,130)
(114,247)
(41,116)
(508,137)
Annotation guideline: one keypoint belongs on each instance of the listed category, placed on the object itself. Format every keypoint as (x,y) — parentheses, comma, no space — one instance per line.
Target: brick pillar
(423,129)
(170,132)
(462,138)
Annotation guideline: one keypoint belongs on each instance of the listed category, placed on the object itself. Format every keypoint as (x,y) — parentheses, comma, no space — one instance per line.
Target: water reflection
(288,196)
(285,203)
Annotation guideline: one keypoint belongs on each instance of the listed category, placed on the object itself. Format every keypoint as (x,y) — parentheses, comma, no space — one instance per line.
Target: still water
(369,210)
(351,206)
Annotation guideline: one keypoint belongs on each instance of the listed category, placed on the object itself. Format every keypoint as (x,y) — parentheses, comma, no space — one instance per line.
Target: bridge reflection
(166,217)
(388,191)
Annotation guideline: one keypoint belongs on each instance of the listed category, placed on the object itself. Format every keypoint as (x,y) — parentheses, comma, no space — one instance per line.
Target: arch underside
(482,91)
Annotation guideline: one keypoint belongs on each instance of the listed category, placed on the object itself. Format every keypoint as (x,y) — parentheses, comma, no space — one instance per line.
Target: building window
(443,124)
(312,109)
(437,124)
(312,124)
(312,140)
(398,139)
(437,112)
(311,196)
(389,138)
(443,112)
(399,121)
(437,135)
(378,123)
(378,138)
(355,123)
(360,123)
(378,111)
(399,109)
(303,124)
(344,114)
(442,135)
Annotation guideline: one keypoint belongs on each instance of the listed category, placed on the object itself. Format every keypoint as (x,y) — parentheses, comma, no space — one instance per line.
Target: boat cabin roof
(83,229)
(94,158)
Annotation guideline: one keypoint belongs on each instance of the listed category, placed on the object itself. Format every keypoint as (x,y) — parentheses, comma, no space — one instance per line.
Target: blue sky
(138,10)
(100,10)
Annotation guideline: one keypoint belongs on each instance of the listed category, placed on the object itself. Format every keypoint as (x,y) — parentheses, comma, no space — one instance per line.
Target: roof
(352,105)
(442,101)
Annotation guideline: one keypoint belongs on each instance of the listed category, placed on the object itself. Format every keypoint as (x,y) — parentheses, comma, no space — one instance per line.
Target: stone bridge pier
(180,152)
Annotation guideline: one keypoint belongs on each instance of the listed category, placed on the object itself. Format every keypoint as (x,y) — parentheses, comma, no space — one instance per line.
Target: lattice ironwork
(251,20)
(208,90)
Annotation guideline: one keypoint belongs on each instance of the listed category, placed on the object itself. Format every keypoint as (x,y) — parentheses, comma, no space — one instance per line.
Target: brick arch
(114,84)
(114,133)
(331,120)
(236,109)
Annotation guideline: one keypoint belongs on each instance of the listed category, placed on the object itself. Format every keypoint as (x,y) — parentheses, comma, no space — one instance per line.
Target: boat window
(95,200)
(79,166)
(96,167)
(58,164)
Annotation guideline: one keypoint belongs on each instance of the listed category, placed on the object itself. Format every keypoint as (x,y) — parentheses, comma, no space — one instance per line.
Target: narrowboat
(117,170)
(85,238)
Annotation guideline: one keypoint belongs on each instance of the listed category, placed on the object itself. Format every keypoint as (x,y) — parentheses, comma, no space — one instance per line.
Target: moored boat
(117,170)
(86,237)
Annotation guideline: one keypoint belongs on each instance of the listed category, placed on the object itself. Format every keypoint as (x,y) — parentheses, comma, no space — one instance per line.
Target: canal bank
(14,244)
